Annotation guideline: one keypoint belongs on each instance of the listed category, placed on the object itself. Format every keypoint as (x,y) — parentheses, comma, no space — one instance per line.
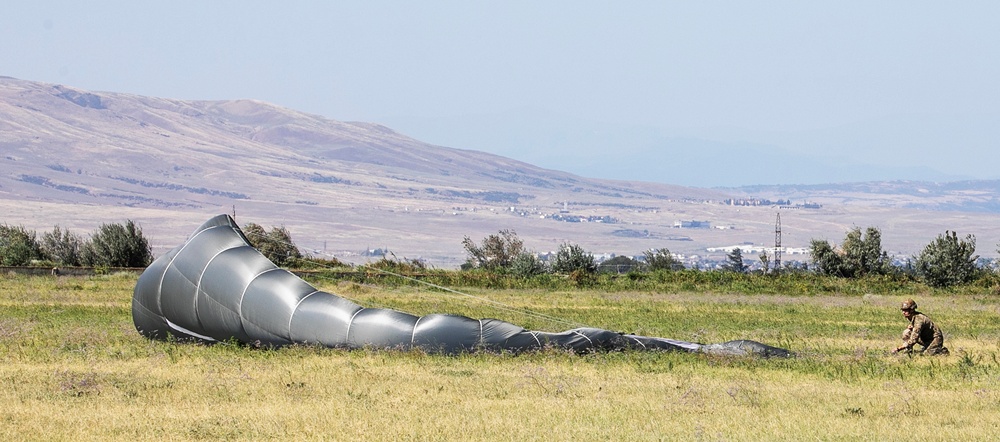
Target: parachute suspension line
(496,304)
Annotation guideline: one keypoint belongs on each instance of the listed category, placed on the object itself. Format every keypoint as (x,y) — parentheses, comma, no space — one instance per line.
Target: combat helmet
(908,304)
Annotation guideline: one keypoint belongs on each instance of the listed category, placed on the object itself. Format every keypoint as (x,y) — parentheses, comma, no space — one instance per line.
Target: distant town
(784,204)
(713,258)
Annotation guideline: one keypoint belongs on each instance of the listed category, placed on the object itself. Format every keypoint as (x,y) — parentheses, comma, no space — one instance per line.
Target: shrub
(948,261)
(662,259)
(62,247)
(527,265)
(620,264)
(276,244)
(399,265)
(18,246)
(117,245)
(497,252)
(859,255)
(572,258)
(313,262)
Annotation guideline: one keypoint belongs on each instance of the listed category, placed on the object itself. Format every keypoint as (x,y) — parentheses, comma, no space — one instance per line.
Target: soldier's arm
(917,326)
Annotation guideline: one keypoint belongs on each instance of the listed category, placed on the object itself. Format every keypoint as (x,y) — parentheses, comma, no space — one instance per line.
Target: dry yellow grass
(74,369)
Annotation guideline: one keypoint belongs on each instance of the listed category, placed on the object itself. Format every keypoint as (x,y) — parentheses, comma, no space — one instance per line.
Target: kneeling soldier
(921,331)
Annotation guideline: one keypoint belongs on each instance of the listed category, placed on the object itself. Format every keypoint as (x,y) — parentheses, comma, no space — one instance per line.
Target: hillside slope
(64,144)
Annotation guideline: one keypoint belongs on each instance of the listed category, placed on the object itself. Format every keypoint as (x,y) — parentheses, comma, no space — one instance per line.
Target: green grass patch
(75,369)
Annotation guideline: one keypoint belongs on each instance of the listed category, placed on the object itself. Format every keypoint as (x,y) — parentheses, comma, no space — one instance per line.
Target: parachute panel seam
(482,340)
(197,286)
(350,326)
(637,340)
(189,332)
(295,309)
(584,337)
(534,335)
(413,333)
(244,295)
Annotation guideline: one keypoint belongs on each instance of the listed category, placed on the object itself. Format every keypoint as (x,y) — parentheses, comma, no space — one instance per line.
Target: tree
(620,264)
(863,254)
(526,265)
(734,262)
(276,244)
(572,258)
(497,252)
(117,245)
(859,255)
(662,259)
(62,246)
(824,257)
(947,260)
(18,246)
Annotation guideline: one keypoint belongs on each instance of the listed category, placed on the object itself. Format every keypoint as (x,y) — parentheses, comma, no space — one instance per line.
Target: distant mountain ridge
(119,146)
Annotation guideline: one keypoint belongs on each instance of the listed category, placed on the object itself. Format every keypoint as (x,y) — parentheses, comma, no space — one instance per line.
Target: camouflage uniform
(925,332)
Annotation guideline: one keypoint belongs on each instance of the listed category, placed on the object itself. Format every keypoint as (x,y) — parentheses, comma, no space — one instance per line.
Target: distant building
(757,202)
(693,224)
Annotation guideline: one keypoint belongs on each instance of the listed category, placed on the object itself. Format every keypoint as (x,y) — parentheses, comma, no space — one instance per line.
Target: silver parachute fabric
(217,287)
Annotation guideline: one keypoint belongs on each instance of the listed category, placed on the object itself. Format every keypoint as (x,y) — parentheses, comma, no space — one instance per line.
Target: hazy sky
(690,93)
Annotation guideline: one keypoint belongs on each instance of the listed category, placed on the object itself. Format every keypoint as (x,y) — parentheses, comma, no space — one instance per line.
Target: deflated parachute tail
(217,287)
(745,347)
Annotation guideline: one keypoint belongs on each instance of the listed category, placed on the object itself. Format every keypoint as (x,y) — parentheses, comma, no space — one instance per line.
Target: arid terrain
(77,159)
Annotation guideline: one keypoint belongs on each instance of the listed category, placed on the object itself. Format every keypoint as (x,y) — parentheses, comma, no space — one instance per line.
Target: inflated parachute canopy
(217,287)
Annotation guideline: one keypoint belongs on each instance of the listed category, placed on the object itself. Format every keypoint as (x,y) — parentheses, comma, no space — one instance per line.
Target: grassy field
(73,368)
